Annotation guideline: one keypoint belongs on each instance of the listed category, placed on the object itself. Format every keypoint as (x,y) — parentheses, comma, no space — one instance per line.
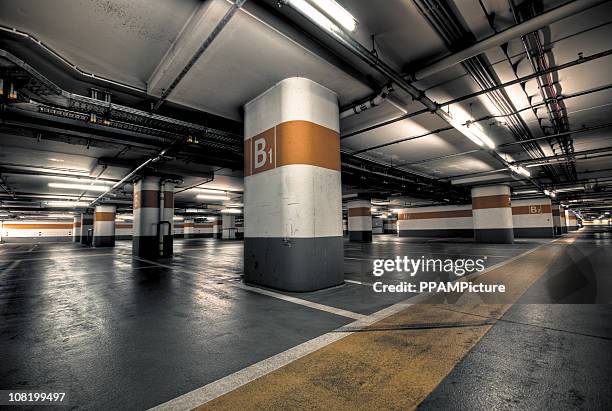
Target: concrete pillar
(167,216)
(390,225)
(377,226)
(86,228)
(360,221)
(240,229)
(562,220)
(76,229)
(104,226)
(152,227)
(532,218)
(228,226)
(217,227)
(492,214)
(571,220)
(556,214)
(293,198)
(189,228)
(344,226)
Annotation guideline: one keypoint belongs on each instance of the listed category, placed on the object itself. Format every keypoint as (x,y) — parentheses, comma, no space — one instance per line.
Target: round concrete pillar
(104,226)
(360,220)
(293,201)
(76,229)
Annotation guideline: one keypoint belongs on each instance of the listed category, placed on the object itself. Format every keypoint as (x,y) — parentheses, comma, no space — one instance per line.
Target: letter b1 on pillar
(292,200)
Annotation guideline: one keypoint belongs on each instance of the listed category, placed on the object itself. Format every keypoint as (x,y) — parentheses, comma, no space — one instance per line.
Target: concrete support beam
(293,200)
(492,214)
(104,226)
(76,229)
(189,228)
(228,227)
(360,220)
(217,227)
(153,225)
(87,228)
(532,218)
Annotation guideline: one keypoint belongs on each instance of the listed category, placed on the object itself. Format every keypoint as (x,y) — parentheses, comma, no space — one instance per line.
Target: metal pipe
(578,61)
(371,102)
(203,47)
(67,62)
(516,31)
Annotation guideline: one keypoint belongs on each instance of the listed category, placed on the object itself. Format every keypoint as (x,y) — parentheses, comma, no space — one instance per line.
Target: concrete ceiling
(145,44)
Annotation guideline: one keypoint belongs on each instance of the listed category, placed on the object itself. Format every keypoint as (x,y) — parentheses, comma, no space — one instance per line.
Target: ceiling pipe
(364,54)
(68,63)
(376,100)
(559,13)
(203,47)
(578,61)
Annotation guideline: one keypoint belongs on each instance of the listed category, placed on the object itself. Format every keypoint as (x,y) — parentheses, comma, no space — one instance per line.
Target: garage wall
(15,231)
(532,218)
(436,221)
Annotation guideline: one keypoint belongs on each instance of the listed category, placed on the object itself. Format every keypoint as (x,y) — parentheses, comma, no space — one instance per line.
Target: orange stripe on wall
(37,226)
(496,201)
(427,215)
(292,142)
(104,216)
(540,209)
(123,225)
(359,212)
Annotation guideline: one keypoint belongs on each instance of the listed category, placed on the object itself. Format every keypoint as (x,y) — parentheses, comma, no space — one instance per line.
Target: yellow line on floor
(394,363)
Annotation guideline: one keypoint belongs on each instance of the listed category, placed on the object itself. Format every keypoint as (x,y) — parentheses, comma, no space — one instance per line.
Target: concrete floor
(124,333)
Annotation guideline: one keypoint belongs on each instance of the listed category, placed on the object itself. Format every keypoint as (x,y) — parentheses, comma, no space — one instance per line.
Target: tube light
(177,218)
(231,211)
(338,13)
(470,130)
(67,204)
(211,197)
(312,13)
(85,187)
(520,170)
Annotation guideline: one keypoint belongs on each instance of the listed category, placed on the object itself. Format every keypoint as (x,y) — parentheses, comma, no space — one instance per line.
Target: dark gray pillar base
(295,264)
(534,232)
(148,246)
(441,233)
(104,241)
(86,240)
(123,237)
(76,239)
(179,235)
(360,236)
(494,235)
(203,235)
(564,230)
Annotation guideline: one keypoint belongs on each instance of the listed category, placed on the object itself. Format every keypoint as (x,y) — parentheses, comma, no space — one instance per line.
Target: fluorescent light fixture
(84,187)
(67,204)
(312,13)
(470,130)
(230,205)
(231,211)
(550,194)
(520,170)
(373,209)
(209,190)
(60,215)
(211,197)
(526,192)
(338,13)
(57,160)
(84,180)
(178,218)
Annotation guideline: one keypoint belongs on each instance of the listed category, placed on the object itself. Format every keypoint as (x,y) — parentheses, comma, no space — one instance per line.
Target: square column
(228,227)
(360,221)
(153,218)
(292,200)
(217,227)
(104,226)
(76,229)
(87,228)
(492,214)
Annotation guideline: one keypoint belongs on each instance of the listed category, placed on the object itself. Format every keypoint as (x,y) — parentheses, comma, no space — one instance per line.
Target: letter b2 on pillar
(292,200)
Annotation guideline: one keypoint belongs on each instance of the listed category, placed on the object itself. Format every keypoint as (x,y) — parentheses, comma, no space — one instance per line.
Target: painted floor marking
(233,381)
